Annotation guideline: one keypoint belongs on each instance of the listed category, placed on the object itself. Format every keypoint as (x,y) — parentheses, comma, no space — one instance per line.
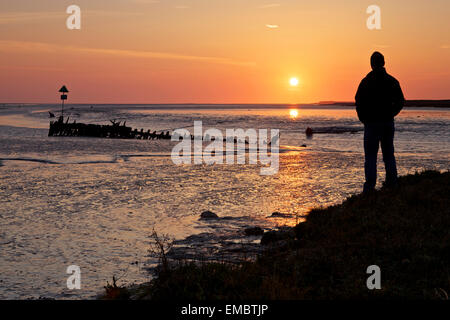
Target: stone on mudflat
(254,231)
(272,237)
(208,215)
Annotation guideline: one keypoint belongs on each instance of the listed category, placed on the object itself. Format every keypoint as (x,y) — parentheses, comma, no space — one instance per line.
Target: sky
(218,51)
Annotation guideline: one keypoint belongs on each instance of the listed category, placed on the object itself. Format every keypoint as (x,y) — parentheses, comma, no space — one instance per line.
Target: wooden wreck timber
(115,130)
(119,131)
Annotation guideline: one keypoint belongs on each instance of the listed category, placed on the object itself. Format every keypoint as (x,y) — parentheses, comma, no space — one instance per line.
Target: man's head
(377,60)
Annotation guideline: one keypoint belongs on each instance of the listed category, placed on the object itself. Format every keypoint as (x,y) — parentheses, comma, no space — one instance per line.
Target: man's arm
(398,100)
(360,100)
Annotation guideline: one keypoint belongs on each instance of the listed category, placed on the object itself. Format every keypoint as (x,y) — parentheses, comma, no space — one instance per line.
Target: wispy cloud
(445,46)
(272,26)
(34,68)
(21,46)
(181,7)
(21,17)
(269,5)
(146,1)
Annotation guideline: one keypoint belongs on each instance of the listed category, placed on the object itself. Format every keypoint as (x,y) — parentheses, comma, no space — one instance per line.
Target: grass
(403,230)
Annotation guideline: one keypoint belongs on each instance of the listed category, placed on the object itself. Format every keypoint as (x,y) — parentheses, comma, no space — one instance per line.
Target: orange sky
(218,51)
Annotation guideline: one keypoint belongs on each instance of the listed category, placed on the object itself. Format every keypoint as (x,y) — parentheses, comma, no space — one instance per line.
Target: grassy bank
(405,231)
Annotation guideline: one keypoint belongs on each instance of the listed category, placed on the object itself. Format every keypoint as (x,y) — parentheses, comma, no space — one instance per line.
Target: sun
(293,113)
(293,81)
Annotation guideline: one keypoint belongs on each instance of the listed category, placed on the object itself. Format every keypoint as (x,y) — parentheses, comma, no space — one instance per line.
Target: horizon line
(322,102)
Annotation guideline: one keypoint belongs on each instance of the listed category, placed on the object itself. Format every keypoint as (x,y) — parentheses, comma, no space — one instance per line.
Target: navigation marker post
(63,90)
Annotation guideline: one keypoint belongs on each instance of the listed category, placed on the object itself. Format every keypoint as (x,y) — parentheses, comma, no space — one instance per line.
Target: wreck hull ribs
(117,131)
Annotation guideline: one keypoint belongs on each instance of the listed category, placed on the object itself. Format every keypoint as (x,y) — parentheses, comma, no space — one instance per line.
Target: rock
(277,214)
(254,231)
(301,230)
(271,237)
(304,146)
(208,215)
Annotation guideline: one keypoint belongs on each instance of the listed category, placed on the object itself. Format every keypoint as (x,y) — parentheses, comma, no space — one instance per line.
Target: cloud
(445,46)
(14,17)
(269,5)
(21,46)
(21,17)
(181,7)
(272,26)
(146,1)
(34,68)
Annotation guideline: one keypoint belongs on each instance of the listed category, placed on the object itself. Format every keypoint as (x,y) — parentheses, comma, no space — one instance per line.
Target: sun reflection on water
(293,114)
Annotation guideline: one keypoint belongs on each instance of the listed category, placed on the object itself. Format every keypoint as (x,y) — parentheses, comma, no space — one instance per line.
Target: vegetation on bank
(404,230)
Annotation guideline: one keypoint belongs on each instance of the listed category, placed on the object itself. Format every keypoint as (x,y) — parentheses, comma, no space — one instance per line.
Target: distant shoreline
(408,104)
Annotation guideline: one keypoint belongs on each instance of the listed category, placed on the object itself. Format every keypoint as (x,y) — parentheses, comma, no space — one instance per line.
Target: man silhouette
(378,100)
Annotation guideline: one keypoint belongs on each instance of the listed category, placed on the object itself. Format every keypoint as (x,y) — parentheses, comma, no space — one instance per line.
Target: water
(94,202)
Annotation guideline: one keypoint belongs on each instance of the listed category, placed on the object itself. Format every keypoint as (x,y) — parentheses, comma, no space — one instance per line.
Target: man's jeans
(374,134)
